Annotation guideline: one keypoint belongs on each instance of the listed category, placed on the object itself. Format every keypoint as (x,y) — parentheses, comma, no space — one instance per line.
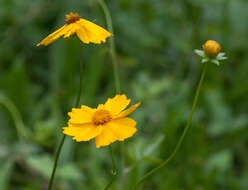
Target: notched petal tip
(128,111)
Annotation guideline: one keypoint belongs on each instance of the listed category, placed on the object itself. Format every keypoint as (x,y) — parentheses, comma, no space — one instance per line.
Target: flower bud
(212,48)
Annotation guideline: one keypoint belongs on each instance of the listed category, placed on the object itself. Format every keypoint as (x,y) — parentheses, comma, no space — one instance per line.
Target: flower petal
(105,138)
(127,111)
(122,128)
(117,104)
(81,33)
(92,32)
(55,35)
(80,115)
(83,132)
(118,129)
(88,109)
(71,31)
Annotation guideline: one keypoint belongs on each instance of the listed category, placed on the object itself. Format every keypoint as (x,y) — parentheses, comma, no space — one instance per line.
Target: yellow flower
(86,31)
(212,48)
(107,123)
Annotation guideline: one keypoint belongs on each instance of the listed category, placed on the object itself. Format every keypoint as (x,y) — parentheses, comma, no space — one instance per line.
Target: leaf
(153,146)
(5,171)
(44,165)
(69,171)
(220,161)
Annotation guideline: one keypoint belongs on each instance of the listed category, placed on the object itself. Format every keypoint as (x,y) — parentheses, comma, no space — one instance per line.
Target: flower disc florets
(211,52)
(72,17)
(101,117)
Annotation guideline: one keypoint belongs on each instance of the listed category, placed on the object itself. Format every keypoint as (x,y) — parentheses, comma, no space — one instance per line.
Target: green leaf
(153,146)
(220,161)
(44,165)
(5,172)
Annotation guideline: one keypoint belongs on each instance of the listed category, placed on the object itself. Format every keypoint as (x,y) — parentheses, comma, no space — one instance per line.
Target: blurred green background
(155,40)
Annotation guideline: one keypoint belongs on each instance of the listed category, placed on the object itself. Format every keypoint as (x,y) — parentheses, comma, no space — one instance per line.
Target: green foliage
(155,40)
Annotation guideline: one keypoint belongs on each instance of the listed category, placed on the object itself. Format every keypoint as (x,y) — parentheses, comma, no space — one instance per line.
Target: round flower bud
(212,48)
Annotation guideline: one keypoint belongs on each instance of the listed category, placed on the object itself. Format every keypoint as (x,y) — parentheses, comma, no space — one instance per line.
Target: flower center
(101,117)
(72,17)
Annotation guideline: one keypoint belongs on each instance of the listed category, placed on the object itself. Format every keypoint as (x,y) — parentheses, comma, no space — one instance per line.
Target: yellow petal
(127,111)
(100,106)
(117,104)
(81,33)
(118,129)
(83,132)
(92,32)
(55,35)
(122,128)
(80,115)
(71,31)
(105,138)
(88,109)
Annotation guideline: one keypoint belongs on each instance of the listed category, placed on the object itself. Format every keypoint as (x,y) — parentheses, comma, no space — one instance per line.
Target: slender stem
(183,134)
(56,162)
(114,170)
(112,44)
(80,75)
(117,83)
(63,137)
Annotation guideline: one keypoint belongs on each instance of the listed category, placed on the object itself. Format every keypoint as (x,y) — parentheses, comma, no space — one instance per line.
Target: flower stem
(63,138)
(56,162)
(117,84)
(112,44)
(183,134)
(114,170)
(80,76)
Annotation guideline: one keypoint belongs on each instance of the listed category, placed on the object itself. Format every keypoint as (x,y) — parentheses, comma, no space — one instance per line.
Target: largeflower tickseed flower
(107,123)
(85,30)
(211,52)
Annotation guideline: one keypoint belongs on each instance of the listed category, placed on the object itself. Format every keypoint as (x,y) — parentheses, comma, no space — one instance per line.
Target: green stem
(80,76)
(114,170)
(183,134)
(56,162)
(63,138)
(112,44)
(117,82)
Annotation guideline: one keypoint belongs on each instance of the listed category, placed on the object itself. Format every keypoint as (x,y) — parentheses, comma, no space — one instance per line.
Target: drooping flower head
(211,52)
(86,31)
(107,123)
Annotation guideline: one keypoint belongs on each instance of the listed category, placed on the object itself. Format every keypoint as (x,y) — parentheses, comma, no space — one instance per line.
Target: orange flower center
(72,17)
(101,117)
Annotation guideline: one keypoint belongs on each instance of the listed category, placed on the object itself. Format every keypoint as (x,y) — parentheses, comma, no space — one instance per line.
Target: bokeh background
(155,40)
